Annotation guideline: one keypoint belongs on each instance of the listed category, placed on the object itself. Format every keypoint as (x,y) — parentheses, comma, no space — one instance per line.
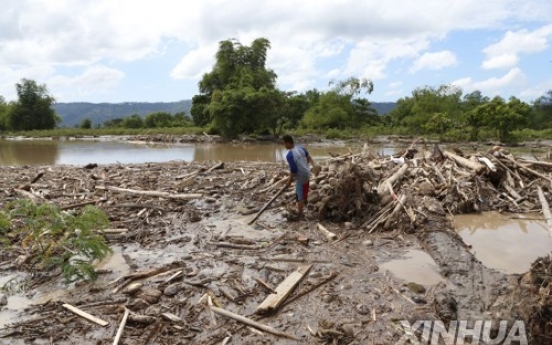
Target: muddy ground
(194,241)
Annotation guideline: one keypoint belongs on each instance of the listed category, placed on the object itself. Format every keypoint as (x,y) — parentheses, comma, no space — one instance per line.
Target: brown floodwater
(503,241)
(101,151)
(415,266)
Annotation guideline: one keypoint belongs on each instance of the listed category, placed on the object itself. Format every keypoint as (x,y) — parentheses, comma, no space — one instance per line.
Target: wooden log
(545,209)
(154,193)
(488,163)
(387,185)
(478,167)
(85,315)
(26,194)
(273,301)
(121,327)
(267,204)
(537,163)
(252,323)
(329,235)
(523,167)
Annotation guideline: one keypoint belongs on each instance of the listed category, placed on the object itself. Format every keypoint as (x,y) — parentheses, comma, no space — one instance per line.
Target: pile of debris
(175,207)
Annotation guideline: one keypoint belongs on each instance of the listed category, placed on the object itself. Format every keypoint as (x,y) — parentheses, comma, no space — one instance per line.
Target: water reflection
(81,152)
(28,152)
(506,244)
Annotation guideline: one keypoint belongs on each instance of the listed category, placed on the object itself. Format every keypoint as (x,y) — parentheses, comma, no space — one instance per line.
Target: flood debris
(213,260)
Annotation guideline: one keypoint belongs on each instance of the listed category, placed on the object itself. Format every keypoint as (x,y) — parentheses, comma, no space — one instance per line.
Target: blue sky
(156,51)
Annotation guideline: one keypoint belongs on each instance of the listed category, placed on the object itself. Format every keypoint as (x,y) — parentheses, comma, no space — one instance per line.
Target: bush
(51,238)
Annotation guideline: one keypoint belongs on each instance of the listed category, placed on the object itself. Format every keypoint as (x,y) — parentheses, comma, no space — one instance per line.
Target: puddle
(506,244)
(416,266)
(115,263)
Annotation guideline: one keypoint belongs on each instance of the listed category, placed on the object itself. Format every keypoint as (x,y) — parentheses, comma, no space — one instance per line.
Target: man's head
(288,141)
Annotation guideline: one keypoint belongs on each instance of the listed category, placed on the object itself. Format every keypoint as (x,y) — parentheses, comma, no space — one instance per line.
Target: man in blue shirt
(298,159)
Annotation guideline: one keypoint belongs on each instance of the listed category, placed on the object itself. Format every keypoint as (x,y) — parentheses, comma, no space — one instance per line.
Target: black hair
(288,139)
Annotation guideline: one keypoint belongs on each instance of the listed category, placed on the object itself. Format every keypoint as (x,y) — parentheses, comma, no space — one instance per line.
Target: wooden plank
(273,301)
(85,315)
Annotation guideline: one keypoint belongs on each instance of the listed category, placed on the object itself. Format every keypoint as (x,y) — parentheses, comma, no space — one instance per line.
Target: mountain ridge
(72,114)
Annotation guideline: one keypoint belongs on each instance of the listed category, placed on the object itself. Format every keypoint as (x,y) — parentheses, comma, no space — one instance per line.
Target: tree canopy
(33,110)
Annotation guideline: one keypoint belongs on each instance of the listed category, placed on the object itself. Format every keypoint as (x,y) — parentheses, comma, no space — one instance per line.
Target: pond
(81,152)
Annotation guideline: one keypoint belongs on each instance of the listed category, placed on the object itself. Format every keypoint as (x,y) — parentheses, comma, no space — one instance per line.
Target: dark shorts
(302,191)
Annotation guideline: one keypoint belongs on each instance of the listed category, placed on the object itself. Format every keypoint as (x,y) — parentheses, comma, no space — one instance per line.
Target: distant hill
(383,107)
(72,114)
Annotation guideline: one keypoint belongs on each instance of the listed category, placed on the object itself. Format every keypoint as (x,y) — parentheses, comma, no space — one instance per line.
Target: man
(298,159)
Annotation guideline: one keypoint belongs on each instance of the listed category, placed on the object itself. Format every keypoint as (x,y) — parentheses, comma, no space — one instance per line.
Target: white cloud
(194,64)
(311,40)
(507,60)
(95,79)
(537,91)
(504,54)
(434,61)
(514,80)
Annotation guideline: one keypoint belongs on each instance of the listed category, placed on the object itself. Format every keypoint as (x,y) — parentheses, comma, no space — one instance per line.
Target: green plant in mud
(51,238)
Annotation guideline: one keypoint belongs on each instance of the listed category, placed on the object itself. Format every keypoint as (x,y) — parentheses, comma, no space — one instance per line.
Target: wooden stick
(329,235)
(252,323)
(265,285)
(80,204)
(121,327)
(267,204)
(273,301)
(545,210)
(85,315)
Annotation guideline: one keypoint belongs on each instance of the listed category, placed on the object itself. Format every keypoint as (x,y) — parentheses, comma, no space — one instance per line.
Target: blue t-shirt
(298,164)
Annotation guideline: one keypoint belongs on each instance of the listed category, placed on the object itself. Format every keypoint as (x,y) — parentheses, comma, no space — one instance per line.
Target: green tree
(4,109)
(337,108)
(416,111)
(181,120)
(114,123)
(133,121)
(235,97)
(33,110)
(159,119)
(504,116)
(85,124)
(472,118)
(541,117)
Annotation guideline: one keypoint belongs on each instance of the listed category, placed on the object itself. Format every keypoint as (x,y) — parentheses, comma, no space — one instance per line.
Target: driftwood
(153,193)
(465,162)
(523,167)
(121,327)
(85,315)
(545,210)
(329,235)
(267,204)
(387,185)
(252,323)
(273,301)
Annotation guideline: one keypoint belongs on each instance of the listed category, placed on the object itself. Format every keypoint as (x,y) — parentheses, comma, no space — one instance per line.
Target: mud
(202,248)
